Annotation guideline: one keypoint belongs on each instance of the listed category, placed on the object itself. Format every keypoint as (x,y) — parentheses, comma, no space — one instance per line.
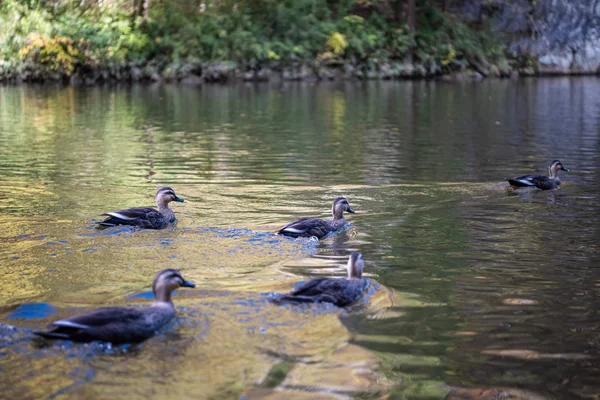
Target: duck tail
(105,224)
(289,299)
(52,335)
(114,221)
(514,182)
(288,233)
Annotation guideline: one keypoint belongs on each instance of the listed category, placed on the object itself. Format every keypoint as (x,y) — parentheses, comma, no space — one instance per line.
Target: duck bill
(565,169)
(188,284)
(351,211)
(179,199)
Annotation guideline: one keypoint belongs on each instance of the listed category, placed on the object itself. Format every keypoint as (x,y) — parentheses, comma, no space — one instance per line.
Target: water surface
(482,287)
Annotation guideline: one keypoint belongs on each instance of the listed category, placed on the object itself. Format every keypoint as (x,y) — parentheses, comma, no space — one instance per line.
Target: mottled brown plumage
(308,227)
(147,218)
(340,292)
(540,181)
(122,324)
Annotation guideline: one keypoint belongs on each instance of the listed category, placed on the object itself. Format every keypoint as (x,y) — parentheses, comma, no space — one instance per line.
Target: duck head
(355,265)
(166,195)
(339,206)
(555,167)
(165,282)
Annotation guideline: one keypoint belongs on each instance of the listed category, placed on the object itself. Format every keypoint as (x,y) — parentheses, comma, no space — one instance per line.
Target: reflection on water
(489,289)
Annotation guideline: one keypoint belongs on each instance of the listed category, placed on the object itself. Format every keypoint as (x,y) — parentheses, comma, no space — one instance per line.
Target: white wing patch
(120,216)
(525,181)
(69,324)
(294,230)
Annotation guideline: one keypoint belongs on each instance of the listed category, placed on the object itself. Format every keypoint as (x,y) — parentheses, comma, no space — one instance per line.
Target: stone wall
(560,36)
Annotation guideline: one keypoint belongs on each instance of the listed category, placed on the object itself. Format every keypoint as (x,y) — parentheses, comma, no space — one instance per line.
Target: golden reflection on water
(77,268)
(476,276)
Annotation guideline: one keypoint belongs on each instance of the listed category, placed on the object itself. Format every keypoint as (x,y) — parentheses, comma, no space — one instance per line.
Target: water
(482,288)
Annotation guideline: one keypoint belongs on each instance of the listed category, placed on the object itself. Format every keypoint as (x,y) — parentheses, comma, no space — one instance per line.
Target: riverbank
(231,72)
(303,40)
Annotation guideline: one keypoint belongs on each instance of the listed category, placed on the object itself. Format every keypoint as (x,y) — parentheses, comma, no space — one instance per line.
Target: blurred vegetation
(42,39)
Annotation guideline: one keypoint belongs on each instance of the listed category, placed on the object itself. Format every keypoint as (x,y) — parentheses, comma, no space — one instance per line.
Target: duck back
(340,292)
(307,227)
(539,181)
(111,324)
(142,217)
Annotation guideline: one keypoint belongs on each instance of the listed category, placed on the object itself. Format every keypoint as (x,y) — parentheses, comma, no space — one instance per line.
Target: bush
(59,39)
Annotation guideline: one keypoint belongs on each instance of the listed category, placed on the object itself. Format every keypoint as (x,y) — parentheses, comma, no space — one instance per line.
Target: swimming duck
(539,181)
(340,292)
(308,227)
(123,324)
(145,217)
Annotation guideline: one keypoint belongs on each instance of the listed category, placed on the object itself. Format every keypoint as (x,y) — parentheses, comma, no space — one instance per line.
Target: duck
(119,325)
(146,217)
(319,228)
(339,292)
(540,181)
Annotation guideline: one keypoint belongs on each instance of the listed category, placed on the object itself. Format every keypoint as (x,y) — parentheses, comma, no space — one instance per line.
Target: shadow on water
(483,289)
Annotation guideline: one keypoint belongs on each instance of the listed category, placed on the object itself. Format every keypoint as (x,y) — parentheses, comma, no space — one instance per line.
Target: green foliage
(337,43)
(443,38)
(64,37)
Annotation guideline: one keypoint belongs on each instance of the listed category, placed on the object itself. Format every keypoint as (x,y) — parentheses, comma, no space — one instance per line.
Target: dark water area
(480,287)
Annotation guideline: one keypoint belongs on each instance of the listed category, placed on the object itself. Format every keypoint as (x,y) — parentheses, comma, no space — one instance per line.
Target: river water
(480,289)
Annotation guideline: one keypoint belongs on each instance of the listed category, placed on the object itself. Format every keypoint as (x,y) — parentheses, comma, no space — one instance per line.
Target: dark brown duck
(308,227)
(340,292)
(540,181)
(145,217)
(123,324)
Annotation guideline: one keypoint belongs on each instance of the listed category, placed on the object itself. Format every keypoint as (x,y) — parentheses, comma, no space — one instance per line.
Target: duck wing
(545,183)
(306,227)
(539,181)
(525,180)
(340,292)
(108,324)
(138,216)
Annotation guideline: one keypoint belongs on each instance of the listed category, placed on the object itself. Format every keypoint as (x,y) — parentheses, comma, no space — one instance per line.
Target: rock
(296,72)
(189,68)
(219,72)
(419,71)
(527,71)
(406,71)
(454,77)
(135,73)
(567,34)
(494,71)
(326,73)
(348,71)
(434,69)
(170,72)
(587,59)
(248,76)
(150,72)
(388,71)
(371,72)
(76,80)
(505,69)
(263,75)
(475,75)
(192,80)
(558,63)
